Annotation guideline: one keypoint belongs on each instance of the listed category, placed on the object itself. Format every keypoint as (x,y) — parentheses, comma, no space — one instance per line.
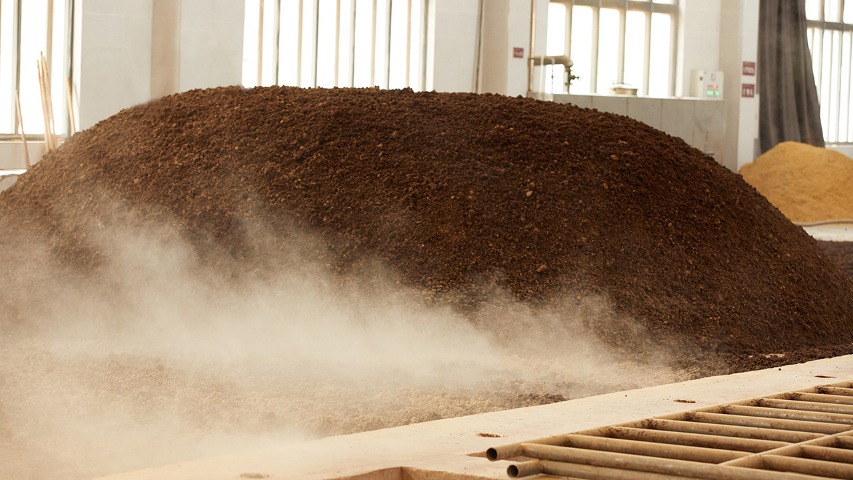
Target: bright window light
(379,42)
(7,67)
(608,49)
(556,29)
(250,43)
(615,43)
(326,44)
(288,48)
(581,53)
(659,62)
(635,29)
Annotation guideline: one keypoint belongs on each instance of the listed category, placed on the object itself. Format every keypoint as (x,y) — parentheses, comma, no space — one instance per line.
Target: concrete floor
(442,449)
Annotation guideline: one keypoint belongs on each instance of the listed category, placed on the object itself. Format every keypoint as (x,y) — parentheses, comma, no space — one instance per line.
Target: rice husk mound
(807,183)
(458,194)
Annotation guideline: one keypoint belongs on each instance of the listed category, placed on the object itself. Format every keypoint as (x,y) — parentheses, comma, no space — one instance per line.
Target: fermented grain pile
(458,193)
(807,183)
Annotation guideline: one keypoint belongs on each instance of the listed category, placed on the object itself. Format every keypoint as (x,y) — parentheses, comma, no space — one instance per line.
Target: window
(612,42)
(830,30)
(335,43)
(28,29)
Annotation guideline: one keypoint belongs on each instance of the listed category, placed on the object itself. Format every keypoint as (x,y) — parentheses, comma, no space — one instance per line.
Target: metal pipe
(735,431)
(513,450)
(619,445)
(553,59)
(524,469)
(808,466)
(844,442)
(828,453)
(746,421)
(809,406)
(696,439)
(641,463)
(800,415)
(584,471)
(844,391)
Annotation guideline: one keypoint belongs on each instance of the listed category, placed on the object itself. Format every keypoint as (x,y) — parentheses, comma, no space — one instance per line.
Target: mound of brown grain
(455,191)
(807,183)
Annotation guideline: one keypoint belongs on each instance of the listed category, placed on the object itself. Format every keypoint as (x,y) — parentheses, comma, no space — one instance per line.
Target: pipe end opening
(512,471)
(492,454)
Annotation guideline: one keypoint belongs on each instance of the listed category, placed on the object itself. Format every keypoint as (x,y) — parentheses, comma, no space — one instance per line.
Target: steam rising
(160,358)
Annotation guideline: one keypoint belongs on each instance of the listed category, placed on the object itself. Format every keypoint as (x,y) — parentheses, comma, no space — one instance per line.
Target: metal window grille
(336,43)
(830,35)
(29,28)
(613,42)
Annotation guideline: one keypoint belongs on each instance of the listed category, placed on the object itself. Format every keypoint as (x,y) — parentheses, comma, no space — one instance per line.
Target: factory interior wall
(136,50)
(453,26)
(115,57)
(698,44)
(739,43)
(124,54)
(211,43)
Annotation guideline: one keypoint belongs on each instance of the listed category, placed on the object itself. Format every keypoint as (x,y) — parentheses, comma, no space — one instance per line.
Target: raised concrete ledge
(441,450)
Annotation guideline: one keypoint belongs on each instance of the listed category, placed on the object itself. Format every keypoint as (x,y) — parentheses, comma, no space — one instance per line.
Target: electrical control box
(706,84)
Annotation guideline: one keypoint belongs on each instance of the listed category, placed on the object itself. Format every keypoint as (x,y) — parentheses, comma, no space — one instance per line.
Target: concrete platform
(442,449)
(833,232)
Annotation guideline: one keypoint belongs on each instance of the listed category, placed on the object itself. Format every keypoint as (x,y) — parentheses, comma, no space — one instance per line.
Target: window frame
(835,70)
(349,67)
(61,118)
(623,6)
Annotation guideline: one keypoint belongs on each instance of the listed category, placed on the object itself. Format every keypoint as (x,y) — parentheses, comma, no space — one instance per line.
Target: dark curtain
(788,107)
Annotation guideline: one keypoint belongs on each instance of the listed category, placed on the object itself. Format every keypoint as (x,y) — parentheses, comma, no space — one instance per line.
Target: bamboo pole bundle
(49,97)
(21,123)
(48,144)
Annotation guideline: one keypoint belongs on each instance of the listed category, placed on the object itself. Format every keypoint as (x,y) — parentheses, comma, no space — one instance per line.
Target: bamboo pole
(47,143)
(70,97)
(49,94)
(21,123)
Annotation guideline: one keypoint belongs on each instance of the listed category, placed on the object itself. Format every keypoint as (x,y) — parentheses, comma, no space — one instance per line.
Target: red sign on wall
(747,90)
(517,52)
(748,68)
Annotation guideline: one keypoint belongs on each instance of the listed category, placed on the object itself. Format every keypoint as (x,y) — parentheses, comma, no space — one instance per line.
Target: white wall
(452,34)
(739,43)
(211,43)
(452,50)
(698,44)
(123,57)
(114,64)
